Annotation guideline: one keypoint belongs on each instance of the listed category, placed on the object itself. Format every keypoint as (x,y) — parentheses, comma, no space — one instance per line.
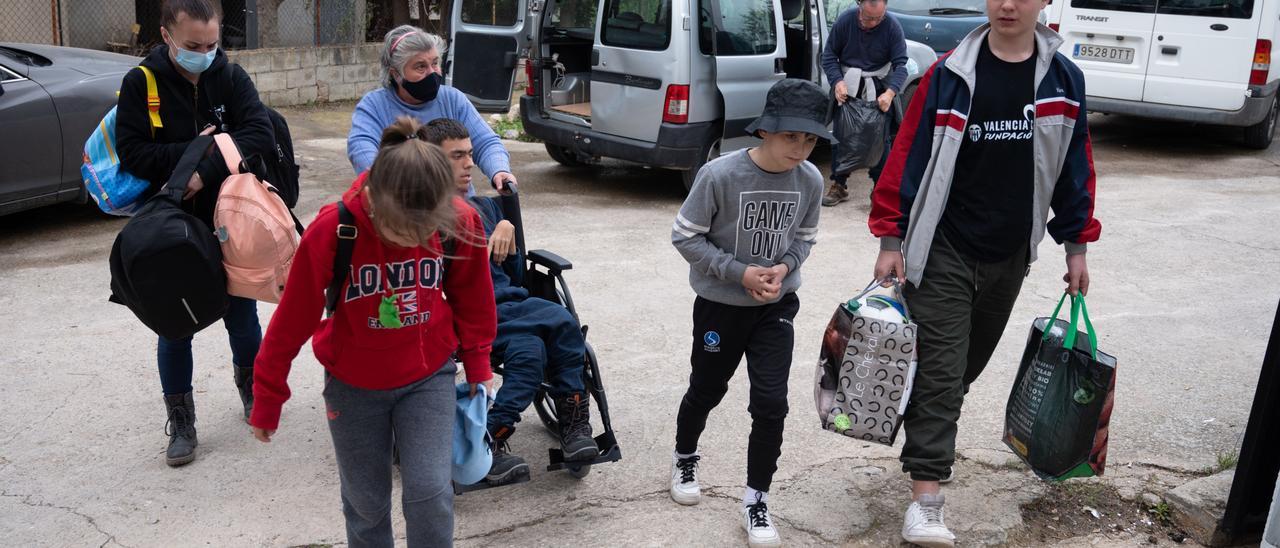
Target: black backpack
(282,169)
(166,265)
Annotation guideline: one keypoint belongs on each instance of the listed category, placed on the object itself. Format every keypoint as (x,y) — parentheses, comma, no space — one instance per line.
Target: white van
(1206,61)
(648,81)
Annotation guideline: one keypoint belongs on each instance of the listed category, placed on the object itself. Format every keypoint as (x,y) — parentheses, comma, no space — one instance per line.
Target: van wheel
(710,151)
(563,156)
(1260,134)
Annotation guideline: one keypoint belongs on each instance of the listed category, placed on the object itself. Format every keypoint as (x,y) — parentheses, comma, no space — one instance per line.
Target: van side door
(745,39)
(634,62)
(1111,41)
(1203,53)
(486,42)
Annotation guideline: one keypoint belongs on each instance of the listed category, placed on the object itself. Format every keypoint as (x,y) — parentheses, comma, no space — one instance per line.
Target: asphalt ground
(1184,291)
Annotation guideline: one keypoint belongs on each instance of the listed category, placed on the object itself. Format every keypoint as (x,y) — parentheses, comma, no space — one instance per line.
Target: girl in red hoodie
(386,349)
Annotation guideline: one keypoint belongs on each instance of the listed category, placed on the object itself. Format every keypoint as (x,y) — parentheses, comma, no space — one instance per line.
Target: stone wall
(297,76)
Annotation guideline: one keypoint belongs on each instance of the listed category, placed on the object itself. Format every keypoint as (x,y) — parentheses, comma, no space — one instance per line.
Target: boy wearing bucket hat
(746,227)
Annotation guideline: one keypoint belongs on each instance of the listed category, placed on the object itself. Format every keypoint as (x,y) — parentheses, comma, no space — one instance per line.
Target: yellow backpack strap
(153,100)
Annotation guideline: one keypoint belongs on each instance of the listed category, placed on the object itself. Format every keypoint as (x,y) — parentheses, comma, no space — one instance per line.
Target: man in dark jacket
(867,38)
(200,93)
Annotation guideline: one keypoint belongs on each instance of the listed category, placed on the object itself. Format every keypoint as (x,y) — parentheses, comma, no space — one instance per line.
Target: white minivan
(649,81)
(1205,61)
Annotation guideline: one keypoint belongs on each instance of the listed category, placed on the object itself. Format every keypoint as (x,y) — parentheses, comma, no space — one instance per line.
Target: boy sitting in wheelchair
(537,339)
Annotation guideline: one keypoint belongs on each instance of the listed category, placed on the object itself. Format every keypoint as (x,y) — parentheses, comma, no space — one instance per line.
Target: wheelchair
(543,277)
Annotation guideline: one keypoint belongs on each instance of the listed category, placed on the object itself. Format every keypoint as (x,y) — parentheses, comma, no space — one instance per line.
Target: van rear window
(637,24)
(1136,6)
(495,13)
(1233,9)
(746,28)
(574,14)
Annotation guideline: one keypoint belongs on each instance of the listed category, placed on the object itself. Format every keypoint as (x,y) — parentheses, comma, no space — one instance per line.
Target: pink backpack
(259,234)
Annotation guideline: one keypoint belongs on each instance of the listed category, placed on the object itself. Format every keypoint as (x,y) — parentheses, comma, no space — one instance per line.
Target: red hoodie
(352,345)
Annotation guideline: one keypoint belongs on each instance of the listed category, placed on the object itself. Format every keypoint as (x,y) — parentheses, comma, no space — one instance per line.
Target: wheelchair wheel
(579,472)
(546,408)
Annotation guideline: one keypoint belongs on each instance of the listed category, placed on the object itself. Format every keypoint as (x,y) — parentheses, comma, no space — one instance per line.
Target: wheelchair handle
(509,198)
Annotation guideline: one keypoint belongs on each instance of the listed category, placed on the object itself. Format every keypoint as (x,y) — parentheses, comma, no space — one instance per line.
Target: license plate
(1106,54)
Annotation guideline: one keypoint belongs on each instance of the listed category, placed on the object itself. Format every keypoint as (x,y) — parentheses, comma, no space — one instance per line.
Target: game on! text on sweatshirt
(738,215)
(353,345)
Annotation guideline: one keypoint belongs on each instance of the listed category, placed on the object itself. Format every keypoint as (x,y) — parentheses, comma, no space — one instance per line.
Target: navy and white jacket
(912,192)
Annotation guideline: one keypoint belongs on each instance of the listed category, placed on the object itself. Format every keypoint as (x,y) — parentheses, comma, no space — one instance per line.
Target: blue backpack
(116,191)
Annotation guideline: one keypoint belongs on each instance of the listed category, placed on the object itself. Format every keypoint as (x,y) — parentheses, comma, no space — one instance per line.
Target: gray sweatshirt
(738,215)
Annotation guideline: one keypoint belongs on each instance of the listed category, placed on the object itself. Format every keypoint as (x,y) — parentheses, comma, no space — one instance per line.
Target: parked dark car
(939,24)
(51,99)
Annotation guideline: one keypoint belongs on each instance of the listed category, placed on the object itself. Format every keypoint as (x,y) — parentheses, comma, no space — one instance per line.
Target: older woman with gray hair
(412,85)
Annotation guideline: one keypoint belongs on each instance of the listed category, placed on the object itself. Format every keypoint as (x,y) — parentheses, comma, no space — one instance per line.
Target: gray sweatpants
(418,419)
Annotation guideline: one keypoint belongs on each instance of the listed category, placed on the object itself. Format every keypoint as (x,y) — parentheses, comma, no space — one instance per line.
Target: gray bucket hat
(794,105)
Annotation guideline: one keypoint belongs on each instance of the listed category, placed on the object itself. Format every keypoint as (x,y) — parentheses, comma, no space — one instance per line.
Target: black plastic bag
(1059,411)
(860,130)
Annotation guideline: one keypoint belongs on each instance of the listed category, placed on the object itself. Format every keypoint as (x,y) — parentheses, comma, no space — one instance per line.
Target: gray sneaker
(835,194)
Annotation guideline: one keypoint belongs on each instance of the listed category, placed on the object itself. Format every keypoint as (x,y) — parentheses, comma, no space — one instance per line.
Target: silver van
(663,83)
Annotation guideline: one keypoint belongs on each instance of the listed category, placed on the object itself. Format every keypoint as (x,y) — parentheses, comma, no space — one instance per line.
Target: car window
(1138,6)
(939,7)
(746,27)
(7,75)
(574,14)
(496,13)
(637,24)
(1232,9)
(836,8)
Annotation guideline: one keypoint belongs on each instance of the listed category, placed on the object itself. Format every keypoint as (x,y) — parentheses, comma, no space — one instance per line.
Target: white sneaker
(684,480)
(924,526)
(759,526)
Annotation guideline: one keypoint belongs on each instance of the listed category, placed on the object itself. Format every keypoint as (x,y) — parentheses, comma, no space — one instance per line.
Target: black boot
(181,429)
(244,383)
(574,414)
(507,468)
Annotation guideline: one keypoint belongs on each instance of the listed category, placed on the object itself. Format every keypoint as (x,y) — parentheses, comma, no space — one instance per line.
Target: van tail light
(529,89)
(675,109)
(1055,26)
(1261,63)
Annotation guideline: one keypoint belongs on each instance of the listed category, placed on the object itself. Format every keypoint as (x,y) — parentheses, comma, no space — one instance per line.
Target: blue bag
(116,191)
(471,456)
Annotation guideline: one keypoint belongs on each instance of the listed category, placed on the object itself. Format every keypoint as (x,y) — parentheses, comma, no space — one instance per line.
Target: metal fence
(133,26)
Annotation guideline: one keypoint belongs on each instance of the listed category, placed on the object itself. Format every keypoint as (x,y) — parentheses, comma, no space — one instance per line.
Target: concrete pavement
(1184,288)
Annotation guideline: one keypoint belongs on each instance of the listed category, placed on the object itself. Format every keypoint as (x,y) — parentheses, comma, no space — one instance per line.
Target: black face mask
(424,89)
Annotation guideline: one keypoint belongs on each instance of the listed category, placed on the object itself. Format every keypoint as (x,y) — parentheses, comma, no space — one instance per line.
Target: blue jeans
(538,339)
(418,419)
(243,330)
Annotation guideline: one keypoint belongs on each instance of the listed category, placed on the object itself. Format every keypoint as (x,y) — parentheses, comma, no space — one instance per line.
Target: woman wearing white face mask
(413,85)
(200,93)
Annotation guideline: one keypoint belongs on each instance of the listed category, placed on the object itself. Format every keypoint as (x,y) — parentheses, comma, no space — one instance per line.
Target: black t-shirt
(988,214)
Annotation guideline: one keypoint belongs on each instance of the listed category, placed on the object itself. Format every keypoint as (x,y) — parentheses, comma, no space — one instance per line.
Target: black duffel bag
(166,265)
